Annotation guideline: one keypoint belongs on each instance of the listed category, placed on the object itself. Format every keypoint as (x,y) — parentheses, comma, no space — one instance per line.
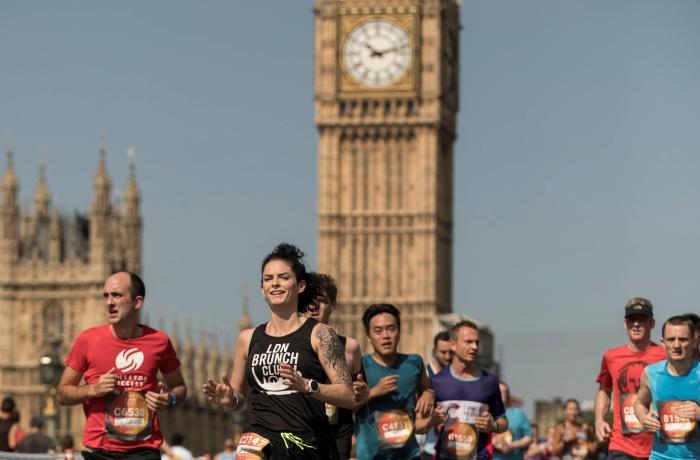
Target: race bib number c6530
(394,428)
(630,422)
(127,416)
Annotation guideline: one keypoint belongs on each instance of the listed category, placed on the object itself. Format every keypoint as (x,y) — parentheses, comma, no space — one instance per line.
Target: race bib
(127,417)
(458,440)
(251,446)
(630,422)
(394,428)
(502,440)
(459,437)
(675,429)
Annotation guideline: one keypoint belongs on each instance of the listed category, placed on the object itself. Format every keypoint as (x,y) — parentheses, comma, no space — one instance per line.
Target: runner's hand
(292,378)
(387,384)
(219,393)
(107,383)
(425,403)
(688,410)
(438,416)
(602,430)
(160,399)
(649,422)
(485,422)
(360,388)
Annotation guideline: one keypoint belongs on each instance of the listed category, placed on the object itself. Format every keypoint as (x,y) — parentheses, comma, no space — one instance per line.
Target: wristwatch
(313,387)
(173,400)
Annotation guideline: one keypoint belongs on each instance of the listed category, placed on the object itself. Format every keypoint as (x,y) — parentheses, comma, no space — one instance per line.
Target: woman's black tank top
(5,425)
(272,405)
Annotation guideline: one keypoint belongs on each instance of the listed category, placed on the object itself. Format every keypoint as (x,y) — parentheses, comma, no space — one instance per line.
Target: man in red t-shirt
(620,373)
(120,362)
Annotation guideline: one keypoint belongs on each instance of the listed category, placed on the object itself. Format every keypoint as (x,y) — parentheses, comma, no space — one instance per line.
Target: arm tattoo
(333,354)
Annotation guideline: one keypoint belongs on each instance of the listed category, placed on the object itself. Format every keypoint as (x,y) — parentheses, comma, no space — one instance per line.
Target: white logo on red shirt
(129,360)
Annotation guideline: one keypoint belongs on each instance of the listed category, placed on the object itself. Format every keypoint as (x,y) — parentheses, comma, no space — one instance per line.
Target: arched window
(53,319)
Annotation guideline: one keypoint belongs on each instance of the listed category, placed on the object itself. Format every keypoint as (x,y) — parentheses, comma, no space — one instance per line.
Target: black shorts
(289,446)
(140,454)
(619,455)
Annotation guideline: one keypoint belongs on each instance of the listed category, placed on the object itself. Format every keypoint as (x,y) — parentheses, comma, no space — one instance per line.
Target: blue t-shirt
(394,436)
(519,427)
(678,438)
(466,398)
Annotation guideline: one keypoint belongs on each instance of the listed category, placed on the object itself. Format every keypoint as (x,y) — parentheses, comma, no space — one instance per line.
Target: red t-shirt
(121,422)
(621,370)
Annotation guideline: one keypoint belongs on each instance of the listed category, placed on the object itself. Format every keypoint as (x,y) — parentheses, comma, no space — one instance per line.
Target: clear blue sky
(576,181)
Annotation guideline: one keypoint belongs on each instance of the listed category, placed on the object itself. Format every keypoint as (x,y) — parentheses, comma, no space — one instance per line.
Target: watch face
(313,386)
(377,53)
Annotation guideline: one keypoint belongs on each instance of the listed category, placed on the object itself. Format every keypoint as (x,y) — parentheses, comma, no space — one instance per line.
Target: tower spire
(9,181)
(245,322)
(42,196)
(131,193)
(132,217)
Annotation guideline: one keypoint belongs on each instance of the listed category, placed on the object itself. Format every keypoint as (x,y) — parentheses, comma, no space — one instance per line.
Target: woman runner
(292,365)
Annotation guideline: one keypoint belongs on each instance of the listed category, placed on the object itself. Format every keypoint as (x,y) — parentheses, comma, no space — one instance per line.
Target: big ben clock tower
(386,101)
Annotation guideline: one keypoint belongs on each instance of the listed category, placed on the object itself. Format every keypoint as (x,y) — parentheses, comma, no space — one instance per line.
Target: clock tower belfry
(386,98)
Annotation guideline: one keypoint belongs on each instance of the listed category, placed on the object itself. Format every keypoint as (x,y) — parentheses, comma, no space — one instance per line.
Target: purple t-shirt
(464,399)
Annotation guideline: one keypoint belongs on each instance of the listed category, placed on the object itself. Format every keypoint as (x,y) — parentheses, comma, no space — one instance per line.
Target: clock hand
(373,52)
(388,50)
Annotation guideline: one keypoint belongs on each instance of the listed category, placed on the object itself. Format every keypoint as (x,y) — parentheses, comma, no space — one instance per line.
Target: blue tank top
(384,428)
(678,438)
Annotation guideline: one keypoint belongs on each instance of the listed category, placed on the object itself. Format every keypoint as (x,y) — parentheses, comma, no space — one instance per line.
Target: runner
(442,353)
(574,439)
(695,319)
(512,444)
(442,356)
(399,397)
(469,405)
(120,362)
(620,371)
(673,387)
(321,308)
(292,365)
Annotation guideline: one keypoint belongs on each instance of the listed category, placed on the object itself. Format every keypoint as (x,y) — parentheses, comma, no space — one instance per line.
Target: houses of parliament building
(52,271)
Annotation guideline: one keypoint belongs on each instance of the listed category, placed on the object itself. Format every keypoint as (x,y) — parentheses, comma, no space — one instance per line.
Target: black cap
(639,306)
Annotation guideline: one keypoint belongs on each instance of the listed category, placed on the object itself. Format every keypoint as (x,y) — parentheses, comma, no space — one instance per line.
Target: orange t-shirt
(621,370)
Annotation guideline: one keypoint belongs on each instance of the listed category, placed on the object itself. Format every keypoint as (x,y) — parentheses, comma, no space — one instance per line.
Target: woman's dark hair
(295,258)
(378,308)
(8,404)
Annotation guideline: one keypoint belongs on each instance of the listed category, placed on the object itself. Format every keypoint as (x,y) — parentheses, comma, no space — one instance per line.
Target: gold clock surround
(347,85)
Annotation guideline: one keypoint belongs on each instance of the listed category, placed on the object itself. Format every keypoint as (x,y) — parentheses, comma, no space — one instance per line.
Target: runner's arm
(176,385)
(521,443)
(641,405)
(70,392)
(12,436)
(353,353)
(331,354)
(230,393)
(425,396)
(602,406)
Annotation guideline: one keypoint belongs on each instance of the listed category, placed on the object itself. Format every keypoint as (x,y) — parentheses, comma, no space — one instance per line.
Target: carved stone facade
(52,271)
(386,99)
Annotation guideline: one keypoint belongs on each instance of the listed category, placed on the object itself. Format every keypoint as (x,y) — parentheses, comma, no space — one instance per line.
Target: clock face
(377,53)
